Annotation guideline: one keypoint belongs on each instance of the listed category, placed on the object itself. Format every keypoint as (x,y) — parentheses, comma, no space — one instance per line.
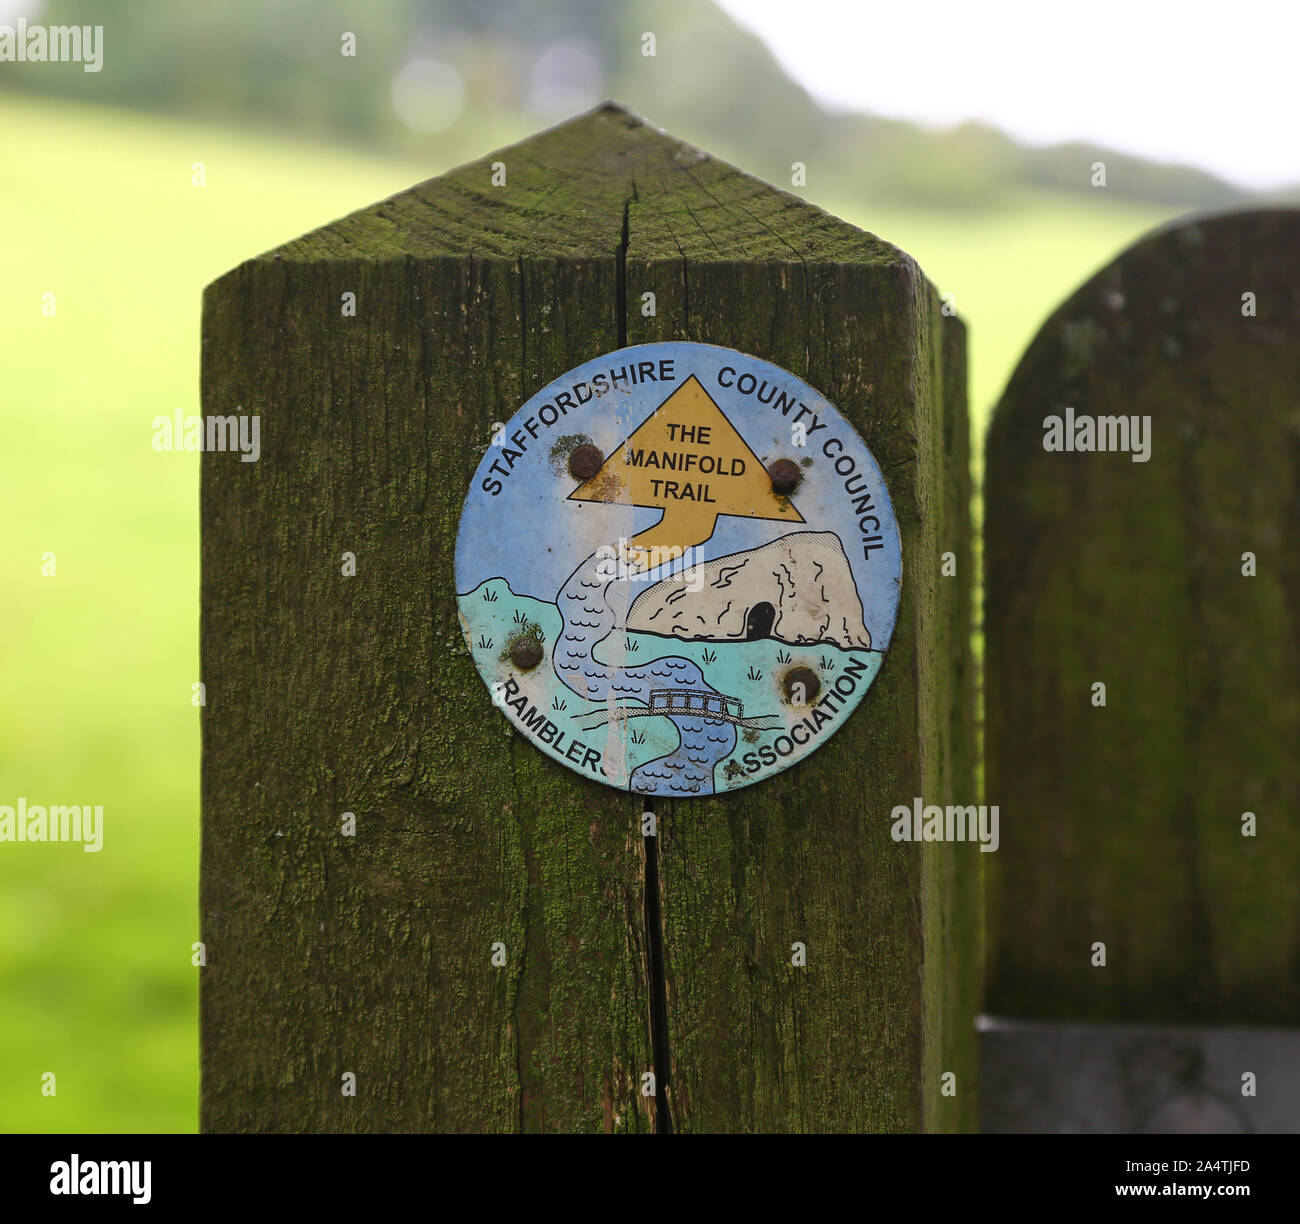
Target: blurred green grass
(97,663)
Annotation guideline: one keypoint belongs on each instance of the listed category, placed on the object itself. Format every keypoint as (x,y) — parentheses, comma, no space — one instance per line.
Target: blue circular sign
(677,569)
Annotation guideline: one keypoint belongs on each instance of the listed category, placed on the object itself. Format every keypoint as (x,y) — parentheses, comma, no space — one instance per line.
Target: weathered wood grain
(1123,824)
(330,694)
(858,1039)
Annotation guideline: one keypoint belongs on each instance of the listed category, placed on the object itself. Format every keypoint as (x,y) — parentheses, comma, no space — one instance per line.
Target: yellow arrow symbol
(686,459)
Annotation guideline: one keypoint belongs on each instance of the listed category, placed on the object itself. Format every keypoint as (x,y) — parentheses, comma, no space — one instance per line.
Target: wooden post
(1166,574)
(370,954)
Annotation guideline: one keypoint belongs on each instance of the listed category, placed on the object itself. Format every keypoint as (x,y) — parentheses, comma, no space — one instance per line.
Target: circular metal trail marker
(644,604)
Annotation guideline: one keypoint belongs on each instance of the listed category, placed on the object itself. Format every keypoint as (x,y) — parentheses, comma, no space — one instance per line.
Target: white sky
(1215,85)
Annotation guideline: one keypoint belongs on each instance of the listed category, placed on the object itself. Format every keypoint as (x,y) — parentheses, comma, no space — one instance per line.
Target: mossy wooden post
(1174,582)
(330,694)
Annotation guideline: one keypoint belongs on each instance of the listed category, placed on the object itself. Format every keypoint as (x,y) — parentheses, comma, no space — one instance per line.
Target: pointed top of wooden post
(590,973)
(570,191)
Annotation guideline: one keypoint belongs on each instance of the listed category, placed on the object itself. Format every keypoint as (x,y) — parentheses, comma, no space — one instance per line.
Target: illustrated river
(593,608)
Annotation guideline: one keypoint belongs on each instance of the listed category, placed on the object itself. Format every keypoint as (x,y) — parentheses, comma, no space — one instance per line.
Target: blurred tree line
(446,79)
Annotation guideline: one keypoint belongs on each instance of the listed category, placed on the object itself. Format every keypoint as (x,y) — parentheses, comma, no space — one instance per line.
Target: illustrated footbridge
(670,702)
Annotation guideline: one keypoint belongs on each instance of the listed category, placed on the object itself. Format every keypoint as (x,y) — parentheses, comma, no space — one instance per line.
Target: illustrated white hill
(803,578)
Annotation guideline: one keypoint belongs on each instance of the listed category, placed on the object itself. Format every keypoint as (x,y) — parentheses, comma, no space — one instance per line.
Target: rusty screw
(526,653)
(785,476)
(802,685)
(585,461)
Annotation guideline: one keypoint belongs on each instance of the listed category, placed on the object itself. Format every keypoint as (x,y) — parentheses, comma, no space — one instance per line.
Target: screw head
(526,653)
(785,476)
(801,685)
(585,461)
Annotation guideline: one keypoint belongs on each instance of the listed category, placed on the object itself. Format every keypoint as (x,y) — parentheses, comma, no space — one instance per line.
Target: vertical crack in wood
(621,262)
(657,985)
(523,326)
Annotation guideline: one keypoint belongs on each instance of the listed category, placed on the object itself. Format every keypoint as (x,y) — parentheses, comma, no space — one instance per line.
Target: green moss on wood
(564,196)
(1123,824)
(372,954)
(859,1039)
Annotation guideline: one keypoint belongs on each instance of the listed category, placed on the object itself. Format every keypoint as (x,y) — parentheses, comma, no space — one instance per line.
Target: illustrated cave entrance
(758,624)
